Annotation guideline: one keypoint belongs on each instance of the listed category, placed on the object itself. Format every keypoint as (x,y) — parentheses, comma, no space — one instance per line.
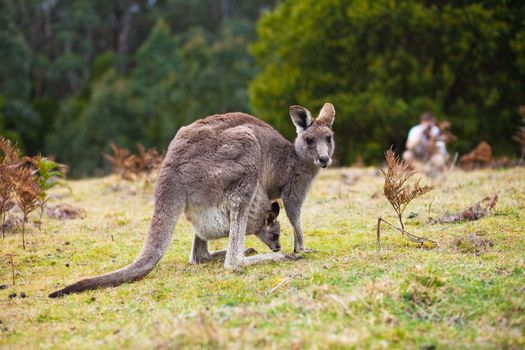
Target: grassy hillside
(467,293)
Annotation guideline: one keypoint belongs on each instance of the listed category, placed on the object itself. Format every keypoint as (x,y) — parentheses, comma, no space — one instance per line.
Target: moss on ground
(467,293)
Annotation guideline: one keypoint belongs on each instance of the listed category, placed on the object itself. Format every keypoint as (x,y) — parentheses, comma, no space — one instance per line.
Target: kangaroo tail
(169,203)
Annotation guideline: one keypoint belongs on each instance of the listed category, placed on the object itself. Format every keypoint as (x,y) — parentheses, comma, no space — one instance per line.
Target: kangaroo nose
(324,160)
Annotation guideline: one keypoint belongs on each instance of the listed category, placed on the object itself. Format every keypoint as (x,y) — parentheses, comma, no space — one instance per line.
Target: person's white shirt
(418,141)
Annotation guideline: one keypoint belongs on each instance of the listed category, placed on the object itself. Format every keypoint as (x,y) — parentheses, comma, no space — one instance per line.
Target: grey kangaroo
(216,170)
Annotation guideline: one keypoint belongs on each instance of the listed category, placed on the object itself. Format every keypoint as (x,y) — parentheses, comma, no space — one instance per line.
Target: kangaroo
(213,223)
(215,168)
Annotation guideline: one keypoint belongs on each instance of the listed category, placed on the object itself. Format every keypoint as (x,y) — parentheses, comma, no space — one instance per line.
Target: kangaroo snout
(324,161)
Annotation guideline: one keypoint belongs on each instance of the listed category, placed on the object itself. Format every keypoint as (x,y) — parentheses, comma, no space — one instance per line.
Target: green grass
(346,295)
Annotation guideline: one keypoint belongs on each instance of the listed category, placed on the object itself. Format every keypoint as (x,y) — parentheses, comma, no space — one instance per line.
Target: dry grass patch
(464,294)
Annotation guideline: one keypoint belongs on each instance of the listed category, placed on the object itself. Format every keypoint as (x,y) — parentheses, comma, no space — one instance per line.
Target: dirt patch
(482,208)
(65,212)
(472,243)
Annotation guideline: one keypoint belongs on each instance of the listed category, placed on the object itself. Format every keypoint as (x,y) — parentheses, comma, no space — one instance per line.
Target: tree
(157,64)
(162,63)
(384,62)
(88,126)
(184,77)
(17,118)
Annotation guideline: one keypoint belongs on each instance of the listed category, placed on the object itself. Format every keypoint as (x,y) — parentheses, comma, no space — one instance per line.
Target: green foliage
(15,55)
(48,176)
(150,82)
(17,119)
(87,126)
(75,75)
(382,63)
(177,78)
(180,78)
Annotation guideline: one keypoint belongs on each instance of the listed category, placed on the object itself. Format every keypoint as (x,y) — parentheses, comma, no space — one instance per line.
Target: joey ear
(326,115)
(273,213)
(301,118)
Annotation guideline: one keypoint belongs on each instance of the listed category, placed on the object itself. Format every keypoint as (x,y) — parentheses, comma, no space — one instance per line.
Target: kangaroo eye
(275,237)
(309,141)
(329,139)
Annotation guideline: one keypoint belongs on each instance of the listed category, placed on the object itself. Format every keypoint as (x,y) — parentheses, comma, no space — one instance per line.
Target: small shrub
(118,160)
(396,189)
(8,163)
(26,182)
(49,174)
(479,157)
(129,167)
(400,193)
(27,194)
(6,194)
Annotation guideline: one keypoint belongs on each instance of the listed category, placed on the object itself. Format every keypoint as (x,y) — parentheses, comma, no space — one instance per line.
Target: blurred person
(424,143)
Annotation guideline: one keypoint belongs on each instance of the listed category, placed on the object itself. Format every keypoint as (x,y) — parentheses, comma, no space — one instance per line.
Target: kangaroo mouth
(276,249)
(323,164)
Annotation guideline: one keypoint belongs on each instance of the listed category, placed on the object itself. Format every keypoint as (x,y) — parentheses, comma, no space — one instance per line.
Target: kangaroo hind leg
(200,254)
(199,251)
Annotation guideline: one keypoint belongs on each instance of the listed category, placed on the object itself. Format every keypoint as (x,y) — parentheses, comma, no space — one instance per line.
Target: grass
(467,293)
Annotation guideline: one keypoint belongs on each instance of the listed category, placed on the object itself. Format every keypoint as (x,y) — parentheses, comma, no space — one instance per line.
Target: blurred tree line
(383,62)
(76,74)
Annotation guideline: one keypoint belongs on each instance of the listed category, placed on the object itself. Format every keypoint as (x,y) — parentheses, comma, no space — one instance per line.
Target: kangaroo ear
(301,118)
(273,213)
(326,115)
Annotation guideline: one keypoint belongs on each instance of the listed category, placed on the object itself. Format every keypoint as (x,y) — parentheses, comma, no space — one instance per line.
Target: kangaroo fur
(214,170)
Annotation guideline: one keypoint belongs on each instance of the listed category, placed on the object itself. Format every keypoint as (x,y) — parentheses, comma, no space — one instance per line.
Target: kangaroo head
(270,231)
(315,138)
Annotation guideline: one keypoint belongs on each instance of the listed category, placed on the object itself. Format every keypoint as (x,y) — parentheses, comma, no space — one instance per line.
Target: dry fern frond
(27,190)
(482,208)
(400,193)
(27,194)
(11,155)
(396,189)
(118,159)
(148,160)
(9,162)
(7,188)
(479,157)
(130,166)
